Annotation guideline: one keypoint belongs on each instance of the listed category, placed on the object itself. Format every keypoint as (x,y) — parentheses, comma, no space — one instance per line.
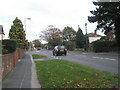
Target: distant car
(59,50)
(38,48)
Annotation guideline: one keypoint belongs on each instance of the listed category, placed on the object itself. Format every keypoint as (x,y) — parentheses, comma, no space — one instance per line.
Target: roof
(1,29)
(93,35)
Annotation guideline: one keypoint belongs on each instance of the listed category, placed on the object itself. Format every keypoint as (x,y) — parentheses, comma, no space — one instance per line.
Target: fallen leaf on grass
(49,72)
(78,85)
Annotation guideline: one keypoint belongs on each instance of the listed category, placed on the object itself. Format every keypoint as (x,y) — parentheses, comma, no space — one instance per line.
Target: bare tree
(37,43)
(52,35)
(69,34)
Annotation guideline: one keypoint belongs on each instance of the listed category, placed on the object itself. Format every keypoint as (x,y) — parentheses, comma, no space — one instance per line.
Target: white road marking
(80,55)
(110,59)
(104,58)
(56,58)
(96,57)
(77,55)
(37,51)
(85,53)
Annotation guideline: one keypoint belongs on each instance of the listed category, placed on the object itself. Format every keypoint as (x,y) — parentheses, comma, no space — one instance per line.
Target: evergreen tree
(17,32)
(80,39)
(107,15)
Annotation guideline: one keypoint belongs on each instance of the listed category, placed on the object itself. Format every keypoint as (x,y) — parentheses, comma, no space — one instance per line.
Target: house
(93,36)
(1,32)
(110,35)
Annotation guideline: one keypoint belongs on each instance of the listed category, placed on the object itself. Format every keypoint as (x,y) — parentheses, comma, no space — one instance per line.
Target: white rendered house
(93,37)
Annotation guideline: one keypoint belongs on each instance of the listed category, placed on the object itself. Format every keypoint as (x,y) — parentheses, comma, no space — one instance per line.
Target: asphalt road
(102,61)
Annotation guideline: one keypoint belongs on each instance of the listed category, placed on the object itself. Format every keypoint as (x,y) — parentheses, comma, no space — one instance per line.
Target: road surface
(102,61)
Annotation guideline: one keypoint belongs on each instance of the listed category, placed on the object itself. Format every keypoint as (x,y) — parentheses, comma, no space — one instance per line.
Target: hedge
(104,46)
(8,46)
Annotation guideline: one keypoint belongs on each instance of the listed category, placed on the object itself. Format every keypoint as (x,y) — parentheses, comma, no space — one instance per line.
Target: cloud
(60,13)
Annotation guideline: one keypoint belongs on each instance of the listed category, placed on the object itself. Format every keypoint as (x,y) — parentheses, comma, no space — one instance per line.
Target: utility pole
(86,46)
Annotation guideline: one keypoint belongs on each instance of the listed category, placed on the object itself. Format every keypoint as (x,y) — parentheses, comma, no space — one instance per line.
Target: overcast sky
(60,13)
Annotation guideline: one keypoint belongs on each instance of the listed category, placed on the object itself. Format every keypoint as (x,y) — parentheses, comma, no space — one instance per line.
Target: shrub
(69,45)
(22,45)
(8,46)
(103,46)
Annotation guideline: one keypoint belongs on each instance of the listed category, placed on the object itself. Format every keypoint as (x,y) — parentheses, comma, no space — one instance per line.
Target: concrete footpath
(23,75)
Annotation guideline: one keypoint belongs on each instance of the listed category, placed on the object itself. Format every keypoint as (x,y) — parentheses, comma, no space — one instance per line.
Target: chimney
(95,33)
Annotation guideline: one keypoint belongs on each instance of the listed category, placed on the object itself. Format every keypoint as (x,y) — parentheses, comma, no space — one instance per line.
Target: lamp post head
(28,18)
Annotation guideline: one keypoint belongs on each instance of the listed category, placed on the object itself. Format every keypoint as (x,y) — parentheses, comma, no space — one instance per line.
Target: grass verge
(35,56)
(65,74)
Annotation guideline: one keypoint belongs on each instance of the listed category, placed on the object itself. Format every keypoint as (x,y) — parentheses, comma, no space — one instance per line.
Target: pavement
(23,75)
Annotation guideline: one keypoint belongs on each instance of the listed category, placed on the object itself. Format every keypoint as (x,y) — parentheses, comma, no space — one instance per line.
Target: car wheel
(56,54)
(65,54)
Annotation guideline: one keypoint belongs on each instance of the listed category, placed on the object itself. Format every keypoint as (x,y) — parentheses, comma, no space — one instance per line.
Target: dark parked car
(59,50)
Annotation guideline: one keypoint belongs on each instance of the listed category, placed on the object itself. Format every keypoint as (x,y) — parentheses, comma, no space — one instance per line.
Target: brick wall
(9,61)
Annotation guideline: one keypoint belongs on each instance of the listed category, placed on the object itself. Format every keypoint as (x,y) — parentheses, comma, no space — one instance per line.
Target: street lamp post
(25,22)
(86,37)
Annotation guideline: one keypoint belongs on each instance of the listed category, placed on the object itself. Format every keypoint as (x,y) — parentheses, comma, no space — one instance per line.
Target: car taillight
(56,49)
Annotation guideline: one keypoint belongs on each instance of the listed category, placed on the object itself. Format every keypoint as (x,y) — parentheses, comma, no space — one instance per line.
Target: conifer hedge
(104,46)
(8,46)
